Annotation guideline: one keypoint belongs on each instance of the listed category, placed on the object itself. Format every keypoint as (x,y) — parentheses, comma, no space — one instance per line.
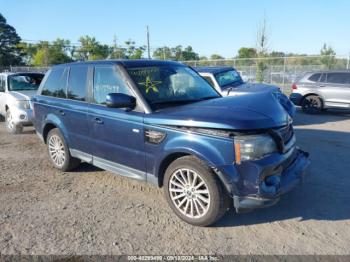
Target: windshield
(24,82)
(171,85)
(228,78)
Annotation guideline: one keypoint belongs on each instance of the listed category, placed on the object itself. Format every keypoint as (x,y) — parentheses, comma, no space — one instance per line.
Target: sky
(220,26)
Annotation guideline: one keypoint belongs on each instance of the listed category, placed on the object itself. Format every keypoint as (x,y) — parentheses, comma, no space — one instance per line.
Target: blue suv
(161,122)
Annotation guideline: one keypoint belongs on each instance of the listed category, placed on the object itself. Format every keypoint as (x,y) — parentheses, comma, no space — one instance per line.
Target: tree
(177,53)
(51,53)
(262,51)
(328,56)
(132,51)
(10,53)
(216,57)
(164,53)
(117,52)
(247,52)
(91,49)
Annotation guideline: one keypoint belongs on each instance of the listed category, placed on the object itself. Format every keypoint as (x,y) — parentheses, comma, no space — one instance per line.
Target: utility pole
(148,46)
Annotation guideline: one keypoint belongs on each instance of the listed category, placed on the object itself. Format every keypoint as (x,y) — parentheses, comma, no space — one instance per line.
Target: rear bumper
(296,98)
(273,179)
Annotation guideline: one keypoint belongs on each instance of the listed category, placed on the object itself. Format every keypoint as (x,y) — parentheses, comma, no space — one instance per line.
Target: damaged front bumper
(263,182)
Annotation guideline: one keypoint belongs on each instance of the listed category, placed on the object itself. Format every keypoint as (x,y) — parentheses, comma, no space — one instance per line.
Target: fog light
(22,117)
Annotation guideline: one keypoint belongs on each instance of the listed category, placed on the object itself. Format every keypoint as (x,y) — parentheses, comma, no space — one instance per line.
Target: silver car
(316,91)
(16,90)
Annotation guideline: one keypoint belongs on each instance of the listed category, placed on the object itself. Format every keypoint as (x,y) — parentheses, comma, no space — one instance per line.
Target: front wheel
(312,104)
(11,126)
(194,193)
(59,152)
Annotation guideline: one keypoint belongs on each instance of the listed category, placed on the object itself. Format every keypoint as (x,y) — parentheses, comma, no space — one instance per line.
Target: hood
(248,88)
(23,95)
(235,113)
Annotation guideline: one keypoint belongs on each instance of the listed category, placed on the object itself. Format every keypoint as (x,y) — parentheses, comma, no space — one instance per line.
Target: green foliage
(328,60)
(91,49)
(216,57)
(45,54)
(10,53)
(247,52)
(262,51)
(177,53)
(132,51)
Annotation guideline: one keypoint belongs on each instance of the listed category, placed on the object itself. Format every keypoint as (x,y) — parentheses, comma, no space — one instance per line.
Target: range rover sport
(160,122)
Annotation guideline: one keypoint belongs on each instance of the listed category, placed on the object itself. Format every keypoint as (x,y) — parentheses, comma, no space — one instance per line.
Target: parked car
(316,91)
(228,82)
(160,122)
(16,90)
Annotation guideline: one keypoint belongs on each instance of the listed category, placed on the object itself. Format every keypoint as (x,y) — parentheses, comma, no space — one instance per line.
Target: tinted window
(338,78)
(56,83)
(314,77)
(107,80)
(77,83)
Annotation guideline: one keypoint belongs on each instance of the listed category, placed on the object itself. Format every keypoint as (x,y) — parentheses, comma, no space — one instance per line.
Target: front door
(117,136)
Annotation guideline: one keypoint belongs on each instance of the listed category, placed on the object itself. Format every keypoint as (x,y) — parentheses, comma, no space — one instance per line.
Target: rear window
(338,78)
(314,77)
(77,83)
(56,83)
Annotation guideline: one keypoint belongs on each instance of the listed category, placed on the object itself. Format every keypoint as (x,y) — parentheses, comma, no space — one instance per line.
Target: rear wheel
(312,104)
(194,193)
(11,126)
(59,151)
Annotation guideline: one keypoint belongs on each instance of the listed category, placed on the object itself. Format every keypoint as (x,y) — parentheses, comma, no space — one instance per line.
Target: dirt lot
(91,211)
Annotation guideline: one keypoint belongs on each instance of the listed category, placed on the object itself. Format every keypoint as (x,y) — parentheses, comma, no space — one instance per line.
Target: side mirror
(119,100)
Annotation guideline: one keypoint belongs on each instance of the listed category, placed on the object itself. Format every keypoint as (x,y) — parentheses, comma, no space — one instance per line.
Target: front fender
(217,152)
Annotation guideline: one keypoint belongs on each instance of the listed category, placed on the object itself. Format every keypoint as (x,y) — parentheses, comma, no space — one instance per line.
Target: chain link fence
(281,71)
(16,69)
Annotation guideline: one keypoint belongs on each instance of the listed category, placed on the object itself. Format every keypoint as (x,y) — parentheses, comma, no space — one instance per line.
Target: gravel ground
(91,211)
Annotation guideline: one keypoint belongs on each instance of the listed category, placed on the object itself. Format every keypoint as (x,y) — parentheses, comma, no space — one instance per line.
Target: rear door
(336,90)
(117,136)
(73,111)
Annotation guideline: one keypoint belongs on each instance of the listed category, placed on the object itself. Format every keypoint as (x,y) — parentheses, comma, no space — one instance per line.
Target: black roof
(126,62)
(213,69)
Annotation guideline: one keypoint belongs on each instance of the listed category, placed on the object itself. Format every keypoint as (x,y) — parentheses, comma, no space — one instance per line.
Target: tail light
(294,86)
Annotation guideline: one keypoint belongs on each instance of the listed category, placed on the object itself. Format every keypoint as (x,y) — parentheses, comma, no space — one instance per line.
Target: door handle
(62,112)
(98,120)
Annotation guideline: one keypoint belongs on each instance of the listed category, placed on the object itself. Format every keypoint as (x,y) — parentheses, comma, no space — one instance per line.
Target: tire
(59,152)
(312,104)
(206,208)
(11,127)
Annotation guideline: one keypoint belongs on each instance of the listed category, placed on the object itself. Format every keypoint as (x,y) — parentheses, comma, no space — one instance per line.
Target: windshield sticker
(150,85)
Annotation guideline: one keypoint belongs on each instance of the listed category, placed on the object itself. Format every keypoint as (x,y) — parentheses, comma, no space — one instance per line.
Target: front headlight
(253,147)
(23,104)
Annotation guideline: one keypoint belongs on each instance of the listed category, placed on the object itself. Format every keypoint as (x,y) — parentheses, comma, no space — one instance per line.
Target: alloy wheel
(56,150)
(189,193)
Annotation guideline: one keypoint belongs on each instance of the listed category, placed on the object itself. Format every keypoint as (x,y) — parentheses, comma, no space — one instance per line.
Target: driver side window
(107,80)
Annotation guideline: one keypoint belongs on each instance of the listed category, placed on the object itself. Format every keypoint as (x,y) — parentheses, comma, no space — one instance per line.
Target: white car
(16,91)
